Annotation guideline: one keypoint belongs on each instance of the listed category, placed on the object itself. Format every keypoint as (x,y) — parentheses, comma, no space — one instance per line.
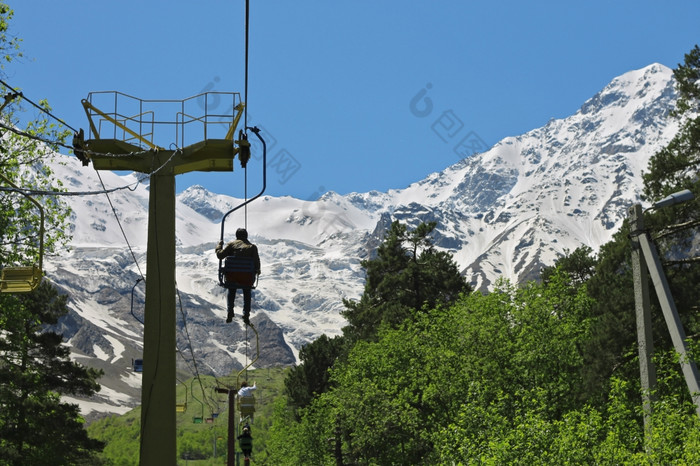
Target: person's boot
(229,317)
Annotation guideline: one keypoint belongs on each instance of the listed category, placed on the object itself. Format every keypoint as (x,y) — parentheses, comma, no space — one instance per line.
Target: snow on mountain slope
(518,206)
(502,213)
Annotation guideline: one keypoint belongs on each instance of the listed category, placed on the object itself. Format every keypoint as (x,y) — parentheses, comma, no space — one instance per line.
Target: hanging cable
(39,192)
(247,346)
(245,91)
(132,299)
(189,344)
(114,211)
(20,94)
(245,109)
(25,134)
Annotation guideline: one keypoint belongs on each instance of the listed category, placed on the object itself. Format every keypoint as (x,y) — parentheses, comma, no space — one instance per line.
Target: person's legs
(230,299)
(247,298)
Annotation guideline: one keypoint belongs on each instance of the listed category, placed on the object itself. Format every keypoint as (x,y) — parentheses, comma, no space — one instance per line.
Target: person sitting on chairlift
(245,440)
(240,247)
(246,390)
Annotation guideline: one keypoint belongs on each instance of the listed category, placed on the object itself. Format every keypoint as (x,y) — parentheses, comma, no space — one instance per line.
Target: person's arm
(221,251)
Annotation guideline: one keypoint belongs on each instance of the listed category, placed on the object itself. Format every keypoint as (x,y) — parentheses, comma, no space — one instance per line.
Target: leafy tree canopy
(36,427)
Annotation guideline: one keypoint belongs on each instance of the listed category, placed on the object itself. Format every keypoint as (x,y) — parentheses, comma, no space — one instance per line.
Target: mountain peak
(505,212)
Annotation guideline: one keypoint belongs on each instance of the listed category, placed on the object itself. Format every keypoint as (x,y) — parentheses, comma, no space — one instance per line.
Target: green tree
(676,166)
(407,275)
(36,427)
(579,265)
(35,366)
(310,377)
(392,396)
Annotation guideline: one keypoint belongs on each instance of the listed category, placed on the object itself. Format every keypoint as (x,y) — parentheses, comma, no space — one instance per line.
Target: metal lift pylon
(122,139)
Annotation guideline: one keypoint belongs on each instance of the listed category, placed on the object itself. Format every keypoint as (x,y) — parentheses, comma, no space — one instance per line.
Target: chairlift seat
(24,279)
(20,279)
(237,272)
(181,407)
(246,405)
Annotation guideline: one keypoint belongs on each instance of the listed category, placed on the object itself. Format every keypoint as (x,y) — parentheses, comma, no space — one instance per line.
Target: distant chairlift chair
(137,365)
(24,279)
(246,406)
(182,407)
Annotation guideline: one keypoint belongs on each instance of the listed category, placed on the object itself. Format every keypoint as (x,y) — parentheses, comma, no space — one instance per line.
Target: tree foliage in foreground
(24,161)
(36,427)
(408,276)
(494,379)
(392,397)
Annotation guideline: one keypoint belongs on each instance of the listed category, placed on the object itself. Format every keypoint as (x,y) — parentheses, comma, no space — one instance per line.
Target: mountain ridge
(506,212)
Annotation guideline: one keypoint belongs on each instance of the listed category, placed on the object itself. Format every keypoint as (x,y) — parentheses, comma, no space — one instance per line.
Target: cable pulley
(243,148)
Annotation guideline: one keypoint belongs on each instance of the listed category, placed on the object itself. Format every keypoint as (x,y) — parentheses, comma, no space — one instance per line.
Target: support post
(231,455)
(673,321)
(158,434)
(642,307)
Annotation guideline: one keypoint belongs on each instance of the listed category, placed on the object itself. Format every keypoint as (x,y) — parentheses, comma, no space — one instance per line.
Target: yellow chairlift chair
(24,279)
(182,407)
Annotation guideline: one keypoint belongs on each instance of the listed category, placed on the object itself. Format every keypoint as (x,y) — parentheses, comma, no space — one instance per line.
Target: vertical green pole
(231,455)
(158,431)
(642,307)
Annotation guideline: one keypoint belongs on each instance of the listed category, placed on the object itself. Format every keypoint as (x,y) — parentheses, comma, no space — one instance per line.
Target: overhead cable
(20,94)
(41,192)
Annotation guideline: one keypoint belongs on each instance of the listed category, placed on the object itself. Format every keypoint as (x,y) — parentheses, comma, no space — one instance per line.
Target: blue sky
(352,96)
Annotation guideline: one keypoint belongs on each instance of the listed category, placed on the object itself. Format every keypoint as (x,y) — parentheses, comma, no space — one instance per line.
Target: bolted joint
(79,147)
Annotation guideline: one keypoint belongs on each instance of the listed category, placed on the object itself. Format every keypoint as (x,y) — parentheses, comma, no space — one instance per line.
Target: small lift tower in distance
(199,135)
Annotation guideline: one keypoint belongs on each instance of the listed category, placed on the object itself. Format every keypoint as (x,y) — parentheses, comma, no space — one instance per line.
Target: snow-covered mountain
(502,213)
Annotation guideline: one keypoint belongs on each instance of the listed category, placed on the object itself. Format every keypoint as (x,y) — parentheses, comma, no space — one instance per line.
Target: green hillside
(202,427)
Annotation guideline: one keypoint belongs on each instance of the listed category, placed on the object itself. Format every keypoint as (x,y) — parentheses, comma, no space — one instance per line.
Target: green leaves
(35,368)
(407,277)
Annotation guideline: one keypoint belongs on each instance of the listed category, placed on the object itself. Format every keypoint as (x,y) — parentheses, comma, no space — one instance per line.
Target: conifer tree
(311,376)
(408,274)
(36,427)
(676,166)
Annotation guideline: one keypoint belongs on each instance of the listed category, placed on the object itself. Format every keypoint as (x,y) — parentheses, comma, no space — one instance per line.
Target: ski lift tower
(200,134)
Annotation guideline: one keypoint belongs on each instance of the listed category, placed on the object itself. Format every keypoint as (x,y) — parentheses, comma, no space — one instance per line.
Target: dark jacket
(245,440)
(239,248)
